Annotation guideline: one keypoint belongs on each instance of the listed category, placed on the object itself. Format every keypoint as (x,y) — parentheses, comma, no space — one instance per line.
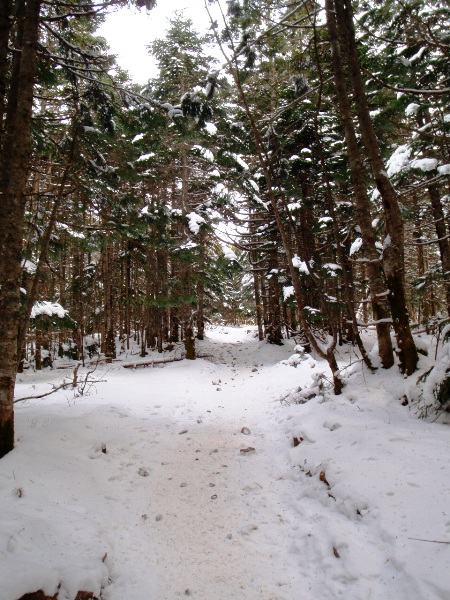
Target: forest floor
(183,481)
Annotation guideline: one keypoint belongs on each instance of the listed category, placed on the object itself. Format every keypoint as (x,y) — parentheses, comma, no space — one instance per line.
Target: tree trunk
(393,253)
(201,290)
(14,165)
(256,286)
(108,337)
(328,353)
(5,29)
(258,309)
(362,203)
(351,323)
(189,341)
(174,325)
(128,295)
(273,327)
(441,233)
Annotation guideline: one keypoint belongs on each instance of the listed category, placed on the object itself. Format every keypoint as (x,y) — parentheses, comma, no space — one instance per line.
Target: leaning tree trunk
(343,257)
(14,165)
(393,253)
(362,203)
(328,353)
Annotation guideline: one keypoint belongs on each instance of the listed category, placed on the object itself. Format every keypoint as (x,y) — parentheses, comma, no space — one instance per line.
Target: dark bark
(393,253)
(201,290)
(5,30)
(441,233)
(174,325)
(45,243)
(256,284)
(264,162)
(108,346)
(273,326)
(189,342)
(362,202)
(258,308)
(128,295)
(14,169)
(347,271)
(327,354)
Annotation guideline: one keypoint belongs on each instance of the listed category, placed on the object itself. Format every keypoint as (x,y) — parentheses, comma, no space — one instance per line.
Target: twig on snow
(431,541)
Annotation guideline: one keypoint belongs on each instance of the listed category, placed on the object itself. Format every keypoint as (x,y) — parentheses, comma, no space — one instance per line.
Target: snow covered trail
(216,515)
(148,476)
(182,481)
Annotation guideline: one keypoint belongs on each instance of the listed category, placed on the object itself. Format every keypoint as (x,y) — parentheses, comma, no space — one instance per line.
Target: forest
(302,183)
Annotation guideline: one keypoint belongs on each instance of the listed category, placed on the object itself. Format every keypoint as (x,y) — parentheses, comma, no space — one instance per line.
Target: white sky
(129,31)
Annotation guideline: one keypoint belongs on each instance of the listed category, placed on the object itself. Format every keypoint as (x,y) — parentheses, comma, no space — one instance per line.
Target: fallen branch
(80,386)
(151,362)
(59,387)
(107,360)
(431,541)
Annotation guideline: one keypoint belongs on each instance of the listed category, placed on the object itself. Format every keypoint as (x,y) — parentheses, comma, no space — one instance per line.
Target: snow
(205,152)
(418,55)
(89,129)
(412,109)
(399,160)
(300,264)
(332,267)
(29,266)
(405,62)
(228,253)
(356,245)
(75,234)
(293,206)
(424,164)
(220,189)
(254,185)
(240,161)
(43,307)
(210,128)
(144,157)
(184,481)
(444,170)
(195,221)
(288,292)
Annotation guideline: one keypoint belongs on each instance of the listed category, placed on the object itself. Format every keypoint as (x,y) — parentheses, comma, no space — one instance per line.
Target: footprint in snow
(97,450)
(331,426)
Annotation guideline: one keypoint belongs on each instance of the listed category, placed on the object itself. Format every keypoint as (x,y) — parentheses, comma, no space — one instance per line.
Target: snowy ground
(143,488)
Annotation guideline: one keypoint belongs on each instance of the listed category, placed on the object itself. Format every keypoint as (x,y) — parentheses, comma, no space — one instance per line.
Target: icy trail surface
(183,481)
